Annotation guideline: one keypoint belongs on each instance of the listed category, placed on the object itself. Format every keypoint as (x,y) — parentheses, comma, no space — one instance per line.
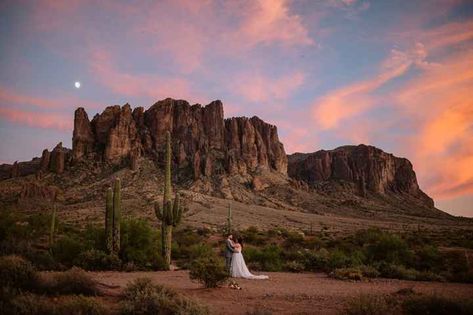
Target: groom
(229,249)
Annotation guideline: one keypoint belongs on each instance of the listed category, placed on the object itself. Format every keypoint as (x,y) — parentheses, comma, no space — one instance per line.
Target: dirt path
(283,293)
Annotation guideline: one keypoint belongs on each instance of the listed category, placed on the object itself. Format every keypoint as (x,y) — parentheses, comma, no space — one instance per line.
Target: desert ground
(283,293)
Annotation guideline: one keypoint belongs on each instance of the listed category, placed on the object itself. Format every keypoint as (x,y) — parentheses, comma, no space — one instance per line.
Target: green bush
(317,261)
(80,305)
(428,258)
(72,281)
(32,304)
(67,249)
(209,271)
(436,305)
(98,260)
(397,272)
(142,297)
(140,245)
(370,305)
(338,259)
(389,248)
(17,273)
(352,273)
(369,271)
(28,304)
(267,259)
(294,266)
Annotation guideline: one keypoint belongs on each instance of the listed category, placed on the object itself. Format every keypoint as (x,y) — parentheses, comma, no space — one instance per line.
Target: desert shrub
(79,305)
(17,273)
(72,281)
(397,272)
(143,297)
(253,236)
(436,305)
(67,249)
(338,259)
(268,258)
(27,304)
(98,260)
(389,248)
(140,245)
(208,270)
(369,271)
(352,273)
(259,311)
(428,258)
(370,305)
(294,266)
(294,240)
(187,254)
(317,261)
(32,304)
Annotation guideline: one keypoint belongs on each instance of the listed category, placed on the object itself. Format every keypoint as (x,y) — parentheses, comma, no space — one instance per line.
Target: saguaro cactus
(229,219)
(52,228)
(112,218)
(171,211)
(109,221)
(116,215)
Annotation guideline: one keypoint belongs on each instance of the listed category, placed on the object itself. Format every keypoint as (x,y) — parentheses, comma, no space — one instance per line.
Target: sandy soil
(283,293)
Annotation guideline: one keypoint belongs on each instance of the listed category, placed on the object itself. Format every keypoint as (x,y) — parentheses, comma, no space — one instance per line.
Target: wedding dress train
(239,270)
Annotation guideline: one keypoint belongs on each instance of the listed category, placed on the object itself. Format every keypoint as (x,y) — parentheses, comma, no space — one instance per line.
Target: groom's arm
(230,247)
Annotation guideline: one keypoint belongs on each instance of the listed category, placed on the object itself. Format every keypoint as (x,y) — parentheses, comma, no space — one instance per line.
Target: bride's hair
(240,241)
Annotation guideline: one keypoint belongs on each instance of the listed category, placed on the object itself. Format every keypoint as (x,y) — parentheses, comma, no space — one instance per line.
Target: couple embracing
(235,262)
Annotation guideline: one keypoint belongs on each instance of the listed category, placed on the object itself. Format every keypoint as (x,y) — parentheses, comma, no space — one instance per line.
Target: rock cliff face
(369,168)
(203,141)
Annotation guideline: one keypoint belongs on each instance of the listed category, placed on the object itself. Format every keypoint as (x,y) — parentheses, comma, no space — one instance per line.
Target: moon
(77,84)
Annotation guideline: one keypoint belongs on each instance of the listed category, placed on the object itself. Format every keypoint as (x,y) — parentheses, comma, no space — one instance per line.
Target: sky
(394,74)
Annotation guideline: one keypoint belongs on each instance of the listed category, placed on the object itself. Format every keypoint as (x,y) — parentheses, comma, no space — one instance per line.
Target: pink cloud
(102,66)
(34,119)
(261,88)
(8,96)
(268,21)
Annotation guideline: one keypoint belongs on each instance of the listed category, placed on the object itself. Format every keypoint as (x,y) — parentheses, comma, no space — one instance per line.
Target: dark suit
(229,249)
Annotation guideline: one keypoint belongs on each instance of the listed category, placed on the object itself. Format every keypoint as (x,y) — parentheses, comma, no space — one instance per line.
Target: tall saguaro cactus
(171,212)
(229,219)
(112,218)
(52,228)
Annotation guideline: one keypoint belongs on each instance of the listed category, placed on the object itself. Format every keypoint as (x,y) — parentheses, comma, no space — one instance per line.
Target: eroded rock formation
(202,140)
(369,168)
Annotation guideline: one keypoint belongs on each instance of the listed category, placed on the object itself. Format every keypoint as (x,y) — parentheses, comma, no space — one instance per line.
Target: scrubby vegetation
(407,303)
(209,271)
(143,297)
(365,254)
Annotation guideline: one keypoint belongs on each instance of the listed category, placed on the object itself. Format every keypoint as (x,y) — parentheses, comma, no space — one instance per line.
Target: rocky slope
(369,169)
(237,158)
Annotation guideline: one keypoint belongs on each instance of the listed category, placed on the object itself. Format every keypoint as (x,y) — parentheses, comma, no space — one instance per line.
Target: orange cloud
(336,106)
(267,21)
(34,119)
(440,101)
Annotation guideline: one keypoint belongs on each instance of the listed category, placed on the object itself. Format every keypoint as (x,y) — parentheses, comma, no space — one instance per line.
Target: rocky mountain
(237,158)
(203,141)
(368,168)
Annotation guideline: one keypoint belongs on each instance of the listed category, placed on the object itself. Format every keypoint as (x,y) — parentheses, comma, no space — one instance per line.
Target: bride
(238,267)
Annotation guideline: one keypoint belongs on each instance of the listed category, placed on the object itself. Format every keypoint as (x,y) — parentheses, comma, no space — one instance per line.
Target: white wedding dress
(238,267)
